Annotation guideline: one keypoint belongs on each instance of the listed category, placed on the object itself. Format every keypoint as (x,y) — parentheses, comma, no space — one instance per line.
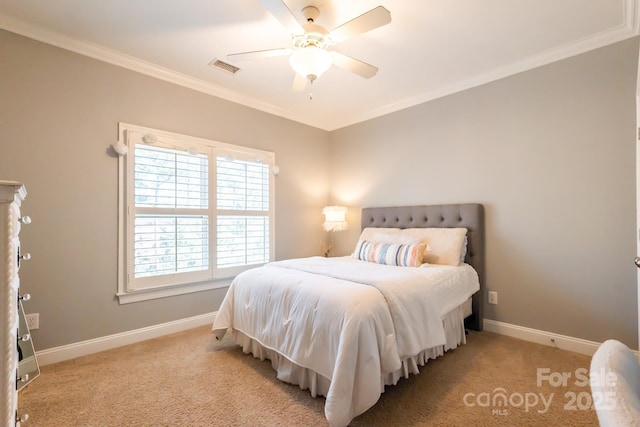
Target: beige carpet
(187,379)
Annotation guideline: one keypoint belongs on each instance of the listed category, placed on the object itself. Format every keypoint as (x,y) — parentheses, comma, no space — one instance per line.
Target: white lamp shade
(310,62)
(335,218)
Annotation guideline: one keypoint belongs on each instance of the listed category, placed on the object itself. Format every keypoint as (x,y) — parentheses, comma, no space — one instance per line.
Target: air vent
(216,63)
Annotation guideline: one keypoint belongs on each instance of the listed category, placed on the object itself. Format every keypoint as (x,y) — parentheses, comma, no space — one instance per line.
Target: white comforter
(350,321)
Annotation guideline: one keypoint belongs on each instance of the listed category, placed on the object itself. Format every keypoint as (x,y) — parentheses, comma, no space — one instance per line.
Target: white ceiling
(430,49)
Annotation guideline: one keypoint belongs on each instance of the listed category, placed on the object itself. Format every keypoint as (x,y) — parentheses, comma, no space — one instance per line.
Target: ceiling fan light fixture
(311,61)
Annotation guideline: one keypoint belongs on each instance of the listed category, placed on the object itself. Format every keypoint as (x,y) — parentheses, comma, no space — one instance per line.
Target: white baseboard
(551,339)
(83,348)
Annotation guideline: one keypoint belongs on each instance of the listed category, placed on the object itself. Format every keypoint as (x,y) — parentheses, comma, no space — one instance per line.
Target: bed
(346,327)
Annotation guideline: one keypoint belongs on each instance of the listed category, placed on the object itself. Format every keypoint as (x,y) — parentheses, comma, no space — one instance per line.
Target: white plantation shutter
(166,244)
(243,212)
(171,224)
(196,212)
(166,178)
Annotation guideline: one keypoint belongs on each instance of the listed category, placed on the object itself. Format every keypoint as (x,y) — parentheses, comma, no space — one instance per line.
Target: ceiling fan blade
(283,14)
(299,83)
(258,54)
(354,65)
(376,17)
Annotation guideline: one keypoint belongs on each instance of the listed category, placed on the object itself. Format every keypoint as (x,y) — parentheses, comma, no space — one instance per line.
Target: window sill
(149,294)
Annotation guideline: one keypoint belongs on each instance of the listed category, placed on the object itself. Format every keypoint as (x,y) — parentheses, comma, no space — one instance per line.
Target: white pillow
(445,246)
(396,239)
(371,233)
(463,252)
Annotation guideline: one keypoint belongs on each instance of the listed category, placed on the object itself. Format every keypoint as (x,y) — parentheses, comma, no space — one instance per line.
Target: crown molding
(120,59)
(629,27)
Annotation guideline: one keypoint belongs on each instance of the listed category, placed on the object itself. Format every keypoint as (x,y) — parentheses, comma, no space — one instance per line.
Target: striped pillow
(390,254)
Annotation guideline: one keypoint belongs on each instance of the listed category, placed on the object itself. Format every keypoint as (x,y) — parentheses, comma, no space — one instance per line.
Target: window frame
(129,290)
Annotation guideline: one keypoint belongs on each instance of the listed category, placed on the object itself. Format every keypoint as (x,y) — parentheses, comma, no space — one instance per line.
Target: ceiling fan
(310,51)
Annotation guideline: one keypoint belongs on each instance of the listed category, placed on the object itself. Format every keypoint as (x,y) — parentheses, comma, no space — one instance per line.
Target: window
(194,213)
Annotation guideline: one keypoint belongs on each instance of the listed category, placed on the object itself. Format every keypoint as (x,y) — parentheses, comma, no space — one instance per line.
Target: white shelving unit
(11,196)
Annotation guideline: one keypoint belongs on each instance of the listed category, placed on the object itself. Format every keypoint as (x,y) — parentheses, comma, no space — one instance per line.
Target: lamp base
(326,249)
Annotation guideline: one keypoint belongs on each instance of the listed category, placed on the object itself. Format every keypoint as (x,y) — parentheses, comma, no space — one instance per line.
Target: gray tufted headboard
(467,215)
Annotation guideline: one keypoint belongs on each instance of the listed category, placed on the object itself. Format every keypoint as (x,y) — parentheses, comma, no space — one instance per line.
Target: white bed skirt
(318,385)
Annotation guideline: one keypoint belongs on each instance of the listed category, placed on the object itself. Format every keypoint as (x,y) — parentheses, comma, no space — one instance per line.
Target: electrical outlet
(493,297)
(33,321)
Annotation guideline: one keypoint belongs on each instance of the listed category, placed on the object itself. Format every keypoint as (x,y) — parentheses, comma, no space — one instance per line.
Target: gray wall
(551,154)
(59,114)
